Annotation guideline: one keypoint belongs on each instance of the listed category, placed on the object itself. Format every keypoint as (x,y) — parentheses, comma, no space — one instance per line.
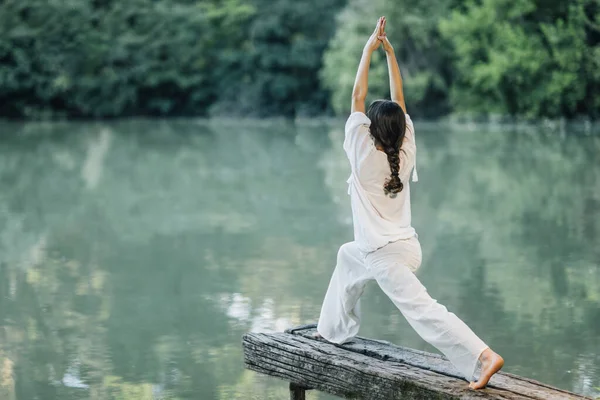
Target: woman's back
(379,218)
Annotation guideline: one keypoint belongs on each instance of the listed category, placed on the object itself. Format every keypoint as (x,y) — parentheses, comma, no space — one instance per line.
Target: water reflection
(91,171)
(134,254)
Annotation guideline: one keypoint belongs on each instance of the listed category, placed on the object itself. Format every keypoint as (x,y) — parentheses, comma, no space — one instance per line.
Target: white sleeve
(357,139)
(408,153)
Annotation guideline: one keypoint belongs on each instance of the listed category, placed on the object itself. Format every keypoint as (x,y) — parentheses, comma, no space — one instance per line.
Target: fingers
(380,29)
(379,32)
(378,26)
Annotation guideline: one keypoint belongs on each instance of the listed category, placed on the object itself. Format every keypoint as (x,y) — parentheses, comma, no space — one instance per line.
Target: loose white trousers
(393,267)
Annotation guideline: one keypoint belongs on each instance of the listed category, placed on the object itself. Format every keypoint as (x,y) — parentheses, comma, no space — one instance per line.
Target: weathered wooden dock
(372,369)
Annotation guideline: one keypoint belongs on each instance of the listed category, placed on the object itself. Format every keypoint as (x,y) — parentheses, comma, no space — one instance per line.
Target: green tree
(277,71)
(422,55)
(526,57)
(104,59)
(95,58)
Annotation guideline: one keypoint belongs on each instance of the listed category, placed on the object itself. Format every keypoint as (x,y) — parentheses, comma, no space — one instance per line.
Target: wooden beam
(297,392)
(375,370)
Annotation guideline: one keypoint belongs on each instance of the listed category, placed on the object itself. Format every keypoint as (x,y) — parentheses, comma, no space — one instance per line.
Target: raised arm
(361,83)
(393,69)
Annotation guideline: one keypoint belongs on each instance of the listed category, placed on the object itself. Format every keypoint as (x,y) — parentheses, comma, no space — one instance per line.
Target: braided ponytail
(388,125)
(393,185)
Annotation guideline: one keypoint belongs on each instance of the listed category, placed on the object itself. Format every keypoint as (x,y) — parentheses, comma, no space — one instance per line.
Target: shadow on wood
(373,369)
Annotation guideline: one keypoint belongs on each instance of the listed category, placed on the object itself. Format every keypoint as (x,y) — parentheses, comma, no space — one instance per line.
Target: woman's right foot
(490,364)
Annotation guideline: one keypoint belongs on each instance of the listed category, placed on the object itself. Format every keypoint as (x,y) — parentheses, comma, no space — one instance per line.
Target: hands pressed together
(378,37)
(361,83)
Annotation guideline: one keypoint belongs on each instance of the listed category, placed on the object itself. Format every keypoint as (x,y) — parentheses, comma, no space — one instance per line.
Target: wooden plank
(297,392)
(372,369)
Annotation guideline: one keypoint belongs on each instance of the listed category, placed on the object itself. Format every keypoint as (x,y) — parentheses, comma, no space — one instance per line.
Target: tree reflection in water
(134,254)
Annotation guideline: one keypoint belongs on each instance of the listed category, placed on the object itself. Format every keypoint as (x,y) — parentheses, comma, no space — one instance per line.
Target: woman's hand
(387,46)
(374,42)
(361,83)
(393,68)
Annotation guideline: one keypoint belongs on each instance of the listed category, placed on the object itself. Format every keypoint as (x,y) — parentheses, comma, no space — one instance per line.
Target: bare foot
(317,335)
(490,364)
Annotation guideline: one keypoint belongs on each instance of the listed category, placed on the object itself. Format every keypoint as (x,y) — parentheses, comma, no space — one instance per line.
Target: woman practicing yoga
(381,149)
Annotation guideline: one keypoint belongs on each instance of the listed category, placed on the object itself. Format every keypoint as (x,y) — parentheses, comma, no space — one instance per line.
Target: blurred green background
(135,252)
(260,58)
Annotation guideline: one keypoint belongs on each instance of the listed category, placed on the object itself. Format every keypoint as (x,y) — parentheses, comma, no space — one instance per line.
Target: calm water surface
(135,254)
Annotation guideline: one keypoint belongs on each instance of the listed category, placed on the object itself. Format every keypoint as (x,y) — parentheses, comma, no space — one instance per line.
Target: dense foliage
(423,57)
(526,57)
(517,57)
(91,58)
(277,70)
(108,58)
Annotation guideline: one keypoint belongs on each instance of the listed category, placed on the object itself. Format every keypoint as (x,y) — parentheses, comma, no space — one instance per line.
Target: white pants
(393,267)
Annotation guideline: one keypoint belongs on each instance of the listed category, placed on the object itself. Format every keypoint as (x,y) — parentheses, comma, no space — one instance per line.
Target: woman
(381,149)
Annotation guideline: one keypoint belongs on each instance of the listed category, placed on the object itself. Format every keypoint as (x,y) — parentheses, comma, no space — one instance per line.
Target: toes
(479,384)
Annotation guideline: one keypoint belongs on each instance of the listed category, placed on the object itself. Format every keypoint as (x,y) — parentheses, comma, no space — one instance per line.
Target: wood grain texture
(372,369)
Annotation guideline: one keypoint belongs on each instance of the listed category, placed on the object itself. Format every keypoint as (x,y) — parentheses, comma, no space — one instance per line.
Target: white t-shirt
(378,219)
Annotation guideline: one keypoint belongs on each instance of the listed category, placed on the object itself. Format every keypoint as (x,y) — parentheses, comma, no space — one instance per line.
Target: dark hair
(388,124)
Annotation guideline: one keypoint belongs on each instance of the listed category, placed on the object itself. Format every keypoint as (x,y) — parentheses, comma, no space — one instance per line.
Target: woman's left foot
(317,335)
(490,364)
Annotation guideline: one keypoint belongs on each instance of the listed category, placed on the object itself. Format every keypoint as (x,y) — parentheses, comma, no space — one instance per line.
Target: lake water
(135,254)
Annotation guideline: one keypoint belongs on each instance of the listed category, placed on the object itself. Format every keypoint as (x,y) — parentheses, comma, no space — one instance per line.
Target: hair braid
(388,126)
(393,185)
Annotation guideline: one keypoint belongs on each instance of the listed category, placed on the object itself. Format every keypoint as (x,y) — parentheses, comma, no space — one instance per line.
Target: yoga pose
(381,148)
